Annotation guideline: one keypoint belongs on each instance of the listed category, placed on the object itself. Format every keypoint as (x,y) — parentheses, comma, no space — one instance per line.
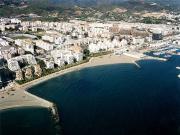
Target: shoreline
(93,62)
(19,95)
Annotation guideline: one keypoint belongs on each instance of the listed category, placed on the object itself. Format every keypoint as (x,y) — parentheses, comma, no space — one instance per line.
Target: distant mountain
(97,2)
(88,2)
(1,1)
(152,5)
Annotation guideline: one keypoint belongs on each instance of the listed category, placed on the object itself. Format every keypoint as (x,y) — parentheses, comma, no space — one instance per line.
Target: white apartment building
(78,56)
(53,38)
(44,45)
(13,64)
(2,27)
(93,48)
(48,38)
(138,41)
(49,64)
(176,42)
(59,61)
(69,58)
(57,53)
(7,52)
(26,44)
(3,42)
(15,20)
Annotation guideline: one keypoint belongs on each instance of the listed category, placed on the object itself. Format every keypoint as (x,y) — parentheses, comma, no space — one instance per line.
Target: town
(32,49)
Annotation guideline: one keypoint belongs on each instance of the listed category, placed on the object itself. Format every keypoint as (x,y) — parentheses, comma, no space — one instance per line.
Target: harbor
(165,50)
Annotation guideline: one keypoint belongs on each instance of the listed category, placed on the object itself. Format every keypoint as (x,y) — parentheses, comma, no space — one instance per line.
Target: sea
(120,99)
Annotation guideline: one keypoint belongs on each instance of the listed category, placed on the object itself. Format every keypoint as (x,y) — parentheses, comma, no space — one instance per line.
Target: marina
(166,50)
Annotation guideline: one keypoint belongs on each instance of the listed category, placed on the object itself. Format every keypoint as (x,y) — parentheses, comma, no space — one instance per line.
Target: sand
(96,61)
(18,96)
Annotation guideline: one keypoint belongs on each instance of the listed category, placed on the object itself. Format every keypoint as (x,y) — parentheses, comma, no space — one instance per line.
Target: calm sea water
(26,121)
(117,99)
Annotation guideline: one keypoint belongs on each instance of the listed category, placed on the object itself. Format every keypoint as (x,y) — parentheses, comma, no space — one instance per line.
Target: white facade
(2,27)
(177,42)
(138,41)
(13,65)
(78,56)
(93,48)
(48,38)
(49,64)
(57,53)
(27,45)
(44,45)
(69,58)
(15,20)
(59,62)
(3,42)
(7,52)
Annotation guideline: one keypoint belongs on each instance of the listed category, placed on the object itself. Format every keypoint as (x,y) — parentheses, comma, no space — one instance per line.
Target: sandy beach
(17,96)
(96,61)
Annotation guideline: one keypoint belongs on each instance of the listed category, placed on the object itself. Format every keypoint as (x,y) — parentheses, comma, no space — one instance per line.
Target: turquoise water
(117,99)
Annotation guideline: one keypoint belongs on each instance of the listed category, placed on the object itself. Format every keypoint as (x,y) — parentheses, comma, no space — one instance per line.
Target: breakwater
(22,99)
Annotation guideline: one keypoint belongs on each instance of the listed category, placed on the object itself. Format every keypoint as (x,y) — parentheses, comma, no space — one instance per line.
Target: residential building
(44,45)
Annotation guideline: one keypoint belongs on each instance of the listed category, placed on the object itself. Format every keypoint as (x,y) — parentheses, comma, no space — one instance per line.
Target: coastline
(19,96)
(93,62)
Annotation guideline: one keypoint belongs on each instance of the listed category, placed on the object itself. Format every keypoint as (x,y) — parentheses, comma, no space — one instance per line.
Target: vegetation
(66,66)
(50,71)
(86,53)
(100,53)
(57,12)
(151,20)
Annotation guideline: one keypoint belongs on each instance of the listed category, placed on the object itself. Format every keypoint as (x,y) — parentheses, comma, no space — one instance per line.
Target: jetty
(136,64)
(155,58)
(19,98)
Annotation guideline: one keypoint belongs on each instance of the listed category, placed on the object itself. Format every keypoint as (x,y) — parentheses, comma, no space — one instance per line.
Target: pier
(136,64)
(155,58)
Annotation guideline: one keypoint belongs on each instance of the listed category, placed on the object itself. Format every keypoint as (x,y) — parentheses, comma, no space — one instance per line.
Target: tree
(23,63)
(74,60)
(86,35)
(41,63)
(66,63)
(86,52)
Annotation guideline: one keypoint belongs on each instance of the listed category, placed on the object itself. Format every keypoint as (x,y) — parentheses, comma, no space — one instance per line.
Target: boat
(157,53)
(178,68)
(179,75)
(167,56)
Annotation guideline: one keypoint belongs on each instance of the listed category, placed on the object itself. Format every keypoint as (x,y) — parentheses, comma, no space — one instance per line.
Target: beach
(18,96)
(93,62)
